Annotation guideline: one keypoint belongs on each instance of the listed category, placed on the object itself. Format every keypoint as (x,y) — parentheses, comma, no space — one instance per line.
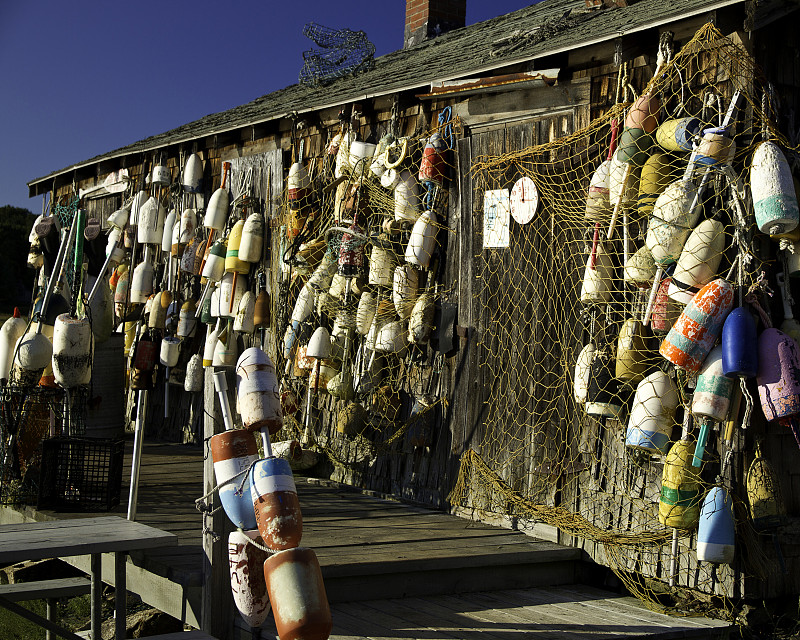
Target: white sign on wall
(496,214)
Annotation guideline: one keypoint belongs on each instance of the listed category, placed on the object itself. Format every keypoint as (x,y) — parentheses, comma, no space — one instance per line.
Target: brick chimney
(426,19)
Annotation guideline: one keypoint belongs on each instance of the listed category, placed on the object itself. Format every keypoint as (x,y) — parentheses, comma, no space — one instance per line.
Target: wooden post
(217,605)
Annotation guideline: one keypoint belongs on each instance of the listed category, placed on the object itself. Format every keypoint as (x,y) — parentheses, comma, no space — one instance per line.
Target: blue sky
(84,77)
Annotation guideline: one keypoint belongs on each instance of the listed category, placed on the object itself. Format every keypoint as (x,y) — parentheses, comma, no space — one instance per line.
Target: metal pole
(141,407)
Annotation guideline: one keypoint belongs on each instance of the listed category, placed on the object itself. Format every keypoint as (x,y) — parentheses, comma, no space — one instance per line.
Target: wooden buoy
(12,330)
(275,502)
(652,417)
(214,267)
(262,311)
(297,593)
(382,263)
(420,323)
(778,375)
(666,311)
(252,238)
(193,382)
(699,260)
(583,367)
(72,351)
(678,134)
(351,420)
(679,503)
(248,585)
(192,179)
(365,312)
(423,240)
(632,351)
(187,320)
(640,270)
(257,391)
(158,310)
(774,197)
(694,333)
(404,290)
(713,392)
(740,344)
(234,451)
(764,495)
(715,147)
(716,531)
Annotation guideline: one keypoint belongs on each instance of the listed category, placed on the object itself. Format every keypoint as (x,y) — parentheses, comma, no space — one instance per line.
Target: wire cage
(342,52)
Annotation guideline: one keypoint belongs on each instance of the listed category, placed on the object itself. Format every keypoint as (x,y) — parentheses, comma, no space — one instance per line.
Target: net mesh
(342,52)
(593,410)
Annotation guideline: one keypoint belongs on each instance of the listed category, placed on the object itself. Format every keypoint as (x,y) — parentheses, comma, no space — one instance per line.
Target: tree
(16,279)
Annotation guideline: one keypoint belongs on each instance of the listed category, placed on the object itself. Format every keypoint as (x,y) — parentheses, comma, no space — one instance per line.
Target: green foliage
(16,279)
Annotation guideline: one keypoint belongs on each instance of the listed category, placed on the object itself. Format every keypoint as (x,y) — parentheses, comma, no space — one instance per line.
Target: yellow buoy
(679,505)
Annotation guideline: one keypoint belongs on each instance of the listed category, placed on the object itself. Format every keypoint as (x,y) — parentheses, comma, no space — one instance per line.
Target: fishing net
(585,425)
(342,52)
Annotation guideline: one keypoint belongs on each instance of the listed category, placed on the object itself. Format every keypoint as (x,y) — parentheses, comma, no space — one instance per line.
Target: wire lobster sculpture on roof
(342,52)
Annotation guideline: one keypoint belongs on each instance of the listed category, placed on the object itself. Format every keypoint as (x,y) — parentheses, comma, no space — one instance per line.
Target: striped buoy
(232,262)
(740,344)
(583,368)
(716,531)
(665,310)
(192,179)
(699,260)
(632,351)
(653,414)
(226,350)
(690,339)
(658,172)
(778,375)
(679,503)
(432,167)
(211,341)
(640,122)
(678,134)
(12,330)
(598,206)
(257,391)
(214,267)
(248,584)
(297,593)
(672,221)
(774,197)
(715,147)
(72,351)
(712,394)
(252,238)
(230,298)
(277,508)
(298,185)
(234,452)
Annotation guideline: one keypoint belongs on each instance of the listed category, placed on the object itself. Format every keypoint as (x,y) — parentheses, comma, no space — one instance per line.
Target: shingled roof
(543,29)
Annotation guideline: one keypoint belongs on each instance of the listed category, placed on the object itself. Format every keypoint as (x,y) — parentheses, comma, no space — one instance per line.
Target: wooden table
(77,537)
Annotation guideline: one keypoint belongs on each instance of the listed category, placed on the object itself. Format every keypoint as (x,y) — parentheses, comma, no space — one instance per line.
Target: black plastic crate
(82,474)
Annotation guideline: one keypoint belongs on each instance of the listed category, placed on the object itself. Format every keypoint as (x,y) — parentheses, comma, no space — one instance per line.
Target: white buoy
(391,337)
(72,351)
(712,394)
(672,221)
(365,312)
(382,262)
(226,351)
(598,204)
(161,176)
(423,240)
(298,184)
(258,391)
(166,236)
(252,238)
(188,226)
(12,330)
(406,198)
(404,290)
(150,228)
(243,322)
(248,585)
(698,262)
(141,285)
(115,248)
(583,368)
(653,414)
(138,201)
(193,382)
(304,304)
(193,174)
(187,321)
(597,277)
(229,299)
(217,208)
(420,323)
(774,196)
(211,342)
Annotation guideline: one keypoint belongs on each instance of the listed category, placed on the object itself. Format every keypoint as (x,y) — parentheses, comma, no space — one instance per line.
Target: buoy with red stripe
(694,333)
(666,311)
(699,260)
(652,417)
(297,594)
(12,330)
(258,392)
(277,508)
(774,196)
(248,584)
(234,451)
(432,168)
(716,531)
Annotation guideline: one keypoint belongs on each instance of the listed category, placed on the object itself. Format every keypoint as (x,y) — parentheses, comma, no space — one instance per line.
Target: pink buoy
(247,577)
(778,375)
(688,342)
(297,593)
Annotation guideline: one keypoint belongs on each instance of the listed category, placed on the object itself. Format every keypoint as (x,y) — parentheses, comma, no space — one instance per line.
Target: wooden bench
(49,591)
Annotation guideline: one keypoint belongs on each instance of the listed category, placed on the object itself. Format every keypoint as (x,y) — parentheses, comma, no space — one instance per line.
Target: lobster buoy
(713,392)
(678,134)
(778,375)
(217,207)
(657,174)
(248,584)
(226,350)
(169,225)
(297,593)
(382,263)
(740,344)
(597,277)
(170,351)
(774,196)
(138,201)
(262,311)
(391,337)
(404,291)
(640,270)
(232,262)
(119,219)
(252,238)
(420,323)
(406,198)
(192,179)
(623,182)
(234,452)
(113,247)
(211,342)
(350,262)
(230,298)
(672,221)
(12,330)
(432,167)
(632,351)
(603,397)
(257,391)
(716,531)
(187,225)
(187,320)
(214,267)
(679,503)
(243,322)
(699,260)
(298,185)
(690,339)
(422,242)
(150,229)
(598,204)
(304,304)
(72,351)
(277,508)
(640,121)
(715,147)
(141,285)
(194,379)
(144,361)
(653,414)
(158,310)
(365,312)
(665,310)
(583,369)
(764,495)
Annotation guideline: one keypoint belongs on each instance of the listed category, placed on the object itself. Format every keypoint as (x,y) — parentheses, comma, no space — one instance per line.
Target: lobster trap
(342,52)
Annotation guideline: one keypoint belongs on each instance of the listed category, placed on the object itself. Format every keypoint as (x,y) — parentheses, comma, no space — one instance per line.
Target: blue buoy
(716,531)
(739,345)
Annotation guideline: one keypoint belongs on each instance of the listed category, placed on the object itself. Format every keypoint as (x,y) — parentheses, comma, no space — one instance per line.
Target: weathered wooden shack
(528,94)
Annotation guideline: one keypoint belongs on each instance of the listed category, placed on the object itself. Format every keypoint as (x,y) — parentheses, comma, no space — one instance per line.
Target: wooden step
(43,589)
(575,612)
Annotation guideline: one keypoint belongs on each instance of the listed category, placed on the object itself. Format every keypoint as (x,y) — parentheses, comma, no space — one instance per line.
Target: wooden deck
(391,570)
